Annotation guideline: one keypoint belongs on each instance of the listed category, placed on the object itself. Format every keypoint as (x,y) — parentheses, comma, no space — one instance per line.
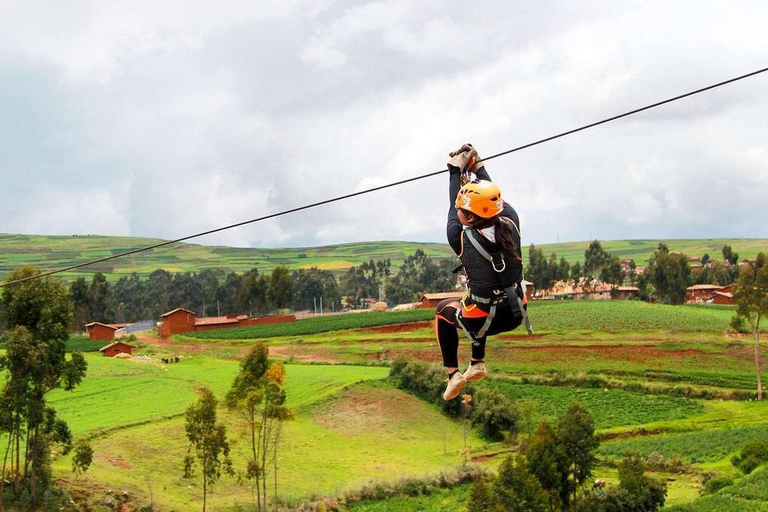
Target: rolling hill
(53,252)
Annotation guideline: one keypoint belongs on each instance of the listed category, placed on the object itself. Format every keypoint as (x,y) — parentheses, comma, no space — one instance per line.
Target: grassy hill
(53,252)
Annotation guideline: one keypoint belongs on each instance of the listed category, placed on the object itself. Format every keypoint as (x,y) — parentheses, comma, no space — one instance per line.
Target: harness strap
(485,254)
(483,329)
(515,302)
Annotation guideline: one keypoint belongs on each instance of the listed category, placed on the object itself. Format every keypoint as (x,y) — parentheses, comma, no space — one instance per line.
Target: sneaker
(475,372)
(455,384)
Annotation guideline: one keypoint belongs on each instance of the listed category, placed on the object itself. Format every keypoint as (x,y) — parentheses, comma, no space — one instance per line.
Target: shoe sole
(456,392)
(475,377)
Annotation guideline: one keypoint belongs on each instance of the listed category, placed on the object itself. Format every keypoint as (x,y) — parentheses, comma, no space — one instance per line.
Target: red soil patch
(289,352)
(412,326)
(518,337)
(116,461)
(570,353)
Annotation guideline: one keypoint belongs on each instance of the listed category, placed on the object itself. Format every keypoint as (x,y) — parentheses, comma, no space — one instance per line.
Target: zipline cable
(389,185)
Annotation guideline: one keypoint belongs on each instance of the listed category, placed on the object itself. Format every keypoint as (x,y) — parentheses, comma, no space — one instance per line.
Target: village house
(118,347)
(701,292)
(182,320)
(100,331)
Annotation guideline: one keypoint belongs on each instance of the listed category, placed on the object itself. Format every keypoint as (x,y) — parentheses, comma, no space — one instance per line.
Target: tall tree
(546,461)
(280,291)
(35,363)
(101,300)
(208,441)
(258,398)
(669,274)
(576,436)
(313,283)
(81,301)
(751,294)
(594,258)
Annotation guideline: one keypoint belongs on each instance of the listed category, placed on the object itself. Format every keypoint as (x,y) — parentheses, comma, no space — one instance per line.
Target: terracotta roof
(104,325)
(628,289)
(705,287)
(178,309)
(216,320)
(442,295)
(102,349)
(724,294)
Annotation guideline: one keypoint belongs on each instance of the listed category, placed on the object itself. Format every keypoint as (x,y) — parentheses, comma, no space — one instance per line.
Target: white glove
(465,156)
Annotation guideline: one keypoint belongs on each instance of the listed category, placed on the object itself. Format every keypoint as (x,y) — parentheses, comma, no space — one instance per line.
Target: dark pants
(447,329)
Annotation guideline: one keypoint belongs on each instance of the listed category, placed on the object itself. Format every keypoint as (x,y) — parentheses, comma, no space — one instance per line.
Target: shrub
(495,414)
(752,455)
(716,483)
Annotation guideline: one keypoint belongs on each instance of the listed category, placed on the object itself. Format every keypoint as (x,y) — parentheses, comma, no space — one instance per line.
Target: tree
(517,490)
(280,291)
(82,458)
(538,271)
(546,461)
(252,295)
(669,274)
(610,272)
(208,442)
(311,284)
(730,256)
(495,414)
(257,396)
(594,258)
(751,294)
(101,301)
(705,259)
(576,273)
(35,363)
(418,275)
(81,300)
(576,435)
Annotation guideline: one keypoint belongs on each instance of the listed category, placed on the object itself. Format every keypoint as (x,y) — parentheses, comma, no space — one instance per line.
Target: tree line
(214,292)
(665,278)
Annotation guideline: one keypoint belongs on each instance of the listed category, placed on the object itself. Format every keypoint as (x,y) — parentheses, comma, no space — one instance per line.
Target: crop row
(702,446)
(610,407)
(547,316)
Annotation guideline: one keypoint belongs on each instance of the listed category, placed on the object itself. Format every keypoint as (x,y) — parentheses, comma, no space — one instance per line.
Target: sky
(163,119)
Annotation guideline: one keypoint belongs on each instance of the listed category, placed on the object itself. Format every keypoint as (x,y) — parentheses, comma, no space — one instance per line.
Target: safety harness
(508,283)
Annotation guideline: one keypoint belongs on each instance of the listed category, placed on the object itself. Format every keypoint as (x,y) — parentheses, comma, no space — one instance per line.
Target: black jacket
(457,237)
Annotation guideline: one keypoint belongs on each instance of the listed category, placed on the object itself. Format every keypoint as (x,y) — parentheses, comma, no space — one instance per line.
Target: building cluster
(710,293)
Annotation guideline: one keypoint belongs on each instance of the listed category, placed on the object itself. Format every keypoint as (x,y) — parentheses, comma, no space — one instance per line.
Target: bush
(495,414)
(753,454)
(716,483)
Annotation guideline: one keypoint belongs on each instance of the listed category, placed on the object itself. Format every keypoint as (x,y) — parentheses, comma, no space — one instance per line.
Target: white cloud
(217,113)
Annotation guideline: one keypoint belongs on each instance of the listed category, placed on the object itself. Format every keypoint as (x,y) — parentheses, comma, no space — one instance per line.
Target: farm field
(660,381)
(50,252)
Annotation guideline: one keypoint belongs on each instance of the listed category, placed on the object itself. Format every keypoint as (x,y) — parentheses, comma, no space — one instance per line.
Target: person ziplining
(484,232)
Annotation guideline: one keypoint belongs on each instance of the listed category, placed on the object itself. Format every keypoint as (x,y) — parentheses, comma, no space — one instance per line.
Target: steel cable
(389,185)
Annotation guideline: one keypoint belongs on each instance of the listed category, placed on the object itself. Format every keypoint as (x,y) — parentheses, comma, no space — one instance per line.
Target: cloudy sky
(165,118)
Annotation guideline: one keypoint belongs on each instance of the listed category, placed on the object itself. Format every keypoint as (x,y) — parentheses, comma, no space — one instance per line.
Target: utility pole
(321,304)
(218,308)
(315,301)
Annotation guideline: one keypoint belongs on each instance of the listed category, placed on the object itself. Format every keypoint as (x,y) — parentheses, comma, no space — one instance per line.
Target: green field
(53,252)
(630,363)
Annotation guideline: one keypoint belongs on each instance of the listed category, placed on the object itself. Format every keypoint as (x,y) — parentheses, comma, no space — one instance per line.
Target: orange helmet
(481,197)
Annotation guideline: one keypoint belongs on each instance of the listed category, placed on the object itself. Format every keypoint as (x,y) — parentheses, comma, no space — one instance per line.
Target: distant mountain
(53,252)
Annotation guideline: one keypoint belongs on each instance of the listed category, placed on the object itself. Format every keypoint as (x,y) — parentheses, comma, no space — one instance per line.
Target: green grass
(700,447)
(548,316)
(443,499)
(337,442)
(52,252)
(118,393)
(621,315)
(316,325)
(750,494)
(610,408)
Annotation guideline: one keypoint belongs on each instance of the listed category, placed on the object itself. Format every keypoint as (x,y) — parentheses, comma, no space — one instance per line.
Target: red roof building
(118,347)
(720,297)
(178,321)
(100,331)
(701,292)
